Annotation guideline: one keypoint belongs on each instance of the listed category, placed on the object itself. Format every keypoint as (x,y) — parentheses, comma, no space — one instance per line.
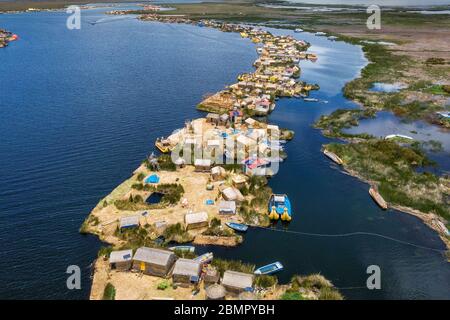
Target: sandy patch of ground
(135,286)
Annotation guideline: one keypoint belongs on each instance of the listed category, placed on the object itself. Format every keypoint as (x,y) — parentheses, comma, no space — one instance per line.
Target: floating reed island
(6,37)
(209,184)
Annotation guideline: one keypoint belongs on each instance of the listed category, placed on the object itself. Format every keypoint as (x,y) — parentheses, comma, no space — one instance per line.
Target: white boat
(205,258)
(310,99)
(298,30)
(320,34)
(393,136)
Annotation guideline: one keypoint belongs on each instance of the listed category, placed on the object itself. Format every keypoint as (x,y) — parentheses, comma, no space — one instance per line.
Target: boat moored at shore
(280,207)
(378,198)
(270,268)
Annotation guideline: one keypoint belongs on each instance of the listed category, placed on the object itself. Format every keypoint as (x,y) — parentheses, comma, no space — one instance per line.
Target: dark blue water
(81,109)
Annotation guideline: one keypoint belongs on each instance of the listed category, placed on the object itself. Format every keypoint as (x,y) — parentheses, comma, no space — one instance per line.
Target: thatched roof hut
(186,271)
(237,282)
(129,222)
(227,207)
(153,261)
(121,260)
(215,292)
(196,220)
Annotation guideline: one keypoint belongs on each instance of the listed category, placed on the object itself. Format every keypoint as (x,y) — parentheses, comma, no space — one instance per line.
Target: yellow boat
(244,35)
(256,40)
(163,145)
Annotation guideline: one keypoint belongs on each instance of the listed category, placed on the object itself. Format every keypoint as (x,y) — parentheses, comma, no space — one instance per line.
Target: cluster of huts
(277,69)
(210,141)
(6,37)
(183,272)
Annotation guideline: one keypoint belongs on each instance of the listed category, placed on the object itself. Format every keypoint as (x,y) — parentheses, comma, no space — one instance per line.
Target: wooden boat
(183,248)
(237,226)
(270,268)
(205,258)
(280,207)
(378,198)
(333,157)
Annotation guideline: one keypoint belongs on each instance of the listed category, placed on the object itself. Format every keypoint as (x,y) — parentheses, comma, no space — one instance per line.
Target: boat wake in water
(108,20)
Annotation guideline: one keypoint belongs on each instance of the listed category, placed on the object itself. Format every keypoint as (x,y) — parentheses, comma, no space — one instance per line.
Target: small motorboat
(320,34)
(270,268)
(205,258)
(298,30)
(183,248)
(310,99)
(280,207)
(237,226)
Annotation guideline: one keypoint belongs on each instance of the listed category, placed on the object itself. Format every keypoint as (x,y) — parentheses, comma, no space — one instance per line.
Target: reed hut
(239,180)
(153,261)
(237,282)
(213,118)
(211,276)
(227,207)
(215,292)
(196,220)
(232,194)
(186,272)
(217,173)
(121,260)
(202,165)
(129,222)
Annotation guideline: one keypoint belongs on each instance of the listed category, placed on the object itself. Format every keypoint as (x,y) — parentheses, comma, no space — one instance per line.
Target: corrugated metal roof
(120,256)
(237,279)
(187,267)
(152,255)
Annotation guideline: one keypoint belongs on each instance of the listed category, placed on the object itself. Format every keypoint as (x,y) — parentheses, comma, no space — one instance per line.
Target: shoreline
(427,218)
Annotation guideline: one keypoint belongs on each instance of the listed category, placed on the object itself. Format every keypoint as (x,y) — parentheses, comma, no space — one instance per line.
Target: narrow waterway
(81,109)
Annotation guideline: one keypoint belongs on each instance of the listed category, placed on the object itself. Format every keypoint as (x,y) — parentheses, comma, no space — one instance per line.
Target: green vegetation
(254,212)
(265,281)
(394,169)
(216,229)
(110,292)
(333,124)
(292,295)
(165,163)
(316,283)
(104,251)
(235,265)
(91,220)
(185,254)
(137,237)
(163,285)
(177,233)
(133,203)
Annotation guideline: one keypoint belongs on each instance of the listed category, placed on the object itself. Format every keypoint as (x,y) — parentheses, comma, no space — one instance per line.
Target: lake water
(81,109)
